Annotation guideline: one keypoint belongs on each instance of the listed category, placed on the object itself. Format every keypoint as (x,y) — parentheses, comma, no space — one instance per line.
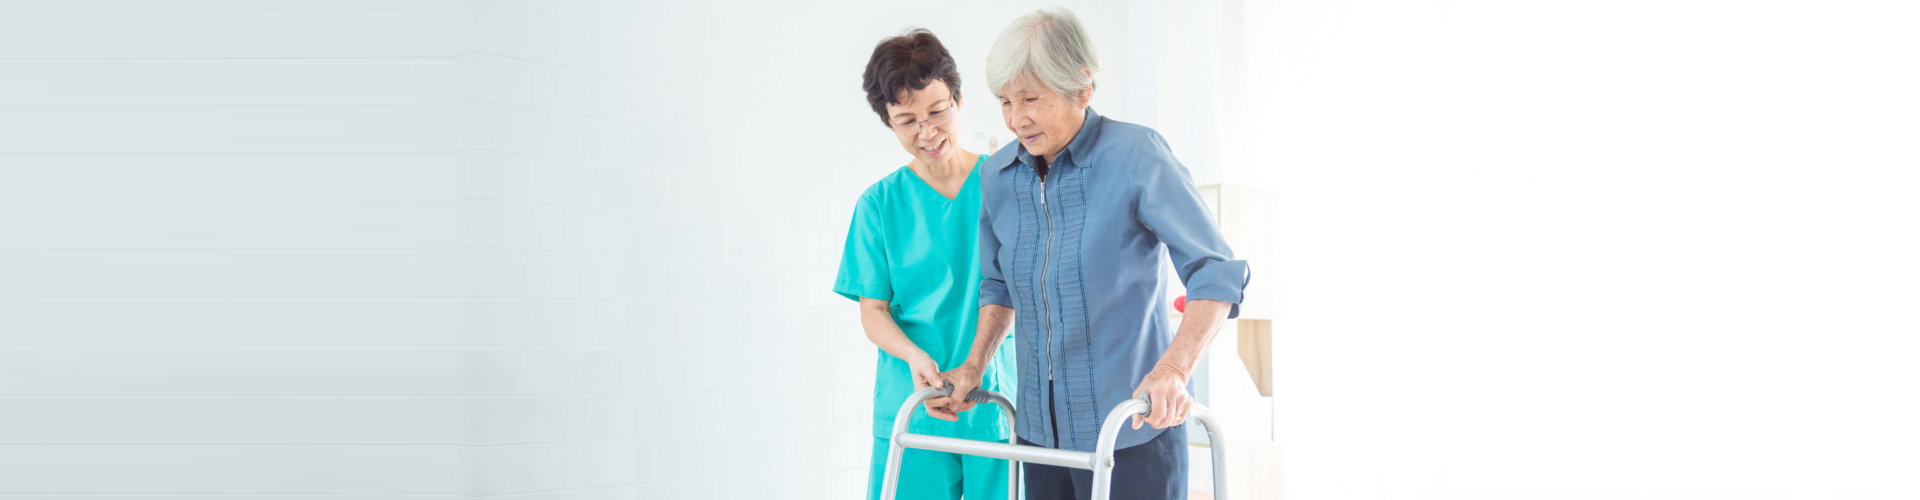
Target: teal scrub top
(918,250)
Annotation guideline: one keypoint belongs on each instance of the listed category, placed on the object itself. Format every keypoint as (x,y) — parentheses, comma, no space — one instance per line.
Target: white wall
(1575,250)
(441,249)
(233,251)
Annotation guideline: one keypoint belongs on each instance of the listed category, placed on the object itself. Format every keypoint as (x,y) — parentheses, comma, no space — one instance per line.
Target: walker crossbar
(1100,460)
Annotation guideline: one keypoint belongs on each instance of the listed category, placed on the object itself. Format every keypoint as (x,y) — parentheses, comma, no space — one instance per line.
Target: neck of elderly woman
(1073,130)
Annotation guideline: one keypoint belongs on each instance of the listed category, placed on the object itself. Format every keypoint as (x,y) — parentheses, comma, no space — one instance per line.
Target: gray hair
(1048,44)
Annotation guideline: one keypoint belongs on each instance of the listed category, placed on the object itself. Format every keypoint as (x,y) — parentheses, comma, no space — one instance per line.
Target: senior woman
(1079,217)
(910,263)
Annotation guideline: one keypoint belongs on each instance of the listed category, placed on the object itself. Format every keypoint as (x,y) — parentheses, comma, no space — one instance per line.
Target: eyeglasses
(934,119)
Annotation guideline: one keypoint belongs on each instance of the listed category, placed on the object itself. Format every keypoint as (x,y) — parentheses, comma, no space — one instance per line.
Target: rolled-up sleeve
(1172,209)
(993,284)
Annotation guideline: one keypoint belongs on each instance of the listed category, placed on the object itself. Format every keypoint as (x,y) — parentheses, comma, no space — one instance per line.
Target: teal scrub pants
(937,475)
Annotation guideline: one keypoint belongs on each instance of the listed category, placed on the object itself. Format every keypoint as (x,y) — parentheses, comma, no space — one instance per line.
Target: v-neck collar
(972,177)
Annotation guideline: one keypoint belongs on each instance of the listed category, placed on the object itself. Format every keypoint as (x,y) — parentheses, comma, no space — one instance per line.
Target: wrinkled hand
(964,379)
(1166,388)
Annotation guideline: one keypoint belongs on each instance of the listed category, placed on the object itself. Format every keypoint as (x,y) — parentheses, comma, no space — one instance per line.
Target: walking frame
(1100,460)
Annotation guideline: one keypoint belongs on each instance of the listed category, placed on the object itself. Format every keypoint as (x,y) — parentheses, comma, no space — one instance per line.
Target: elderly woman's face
(923,121)
(1043,121)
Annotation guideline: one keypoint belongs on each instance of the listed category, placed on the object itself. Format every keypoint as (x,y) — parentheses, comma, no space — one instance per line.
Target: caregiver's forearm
(876,317)
(995,320)
(1197,328)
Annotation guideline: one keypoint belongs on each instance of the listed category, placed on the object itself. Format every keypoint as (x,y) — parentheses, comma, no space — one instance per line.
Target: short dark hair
(907,63)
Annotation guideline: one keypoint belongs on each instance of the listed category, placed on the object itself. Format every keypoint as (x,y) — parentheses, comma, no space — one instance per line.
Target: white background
(1597,249)
(581,249)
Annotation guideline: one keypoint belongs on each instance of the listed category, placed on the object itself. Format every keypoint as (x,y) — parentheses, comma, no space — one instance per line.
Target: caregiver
(910,261)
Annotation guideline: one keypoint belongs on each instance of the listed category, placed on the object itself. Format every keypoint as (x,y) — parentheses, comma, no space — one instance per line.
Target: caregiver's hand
(1166,388)
(965,379)
(926,373)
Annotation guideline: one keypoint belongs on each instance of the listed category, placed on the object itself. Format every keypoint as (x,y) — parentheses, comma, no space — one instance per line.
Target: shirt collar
(1080,147)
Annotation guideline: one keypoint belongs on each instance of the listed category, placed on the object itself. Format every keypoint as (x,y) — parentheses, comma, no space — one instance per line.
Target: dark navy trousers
(1154,470)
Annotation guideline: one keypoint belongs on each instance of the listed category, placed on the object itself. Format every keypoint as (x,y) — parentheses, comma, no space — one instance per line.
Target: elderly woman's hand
(1166,388)
(965,379)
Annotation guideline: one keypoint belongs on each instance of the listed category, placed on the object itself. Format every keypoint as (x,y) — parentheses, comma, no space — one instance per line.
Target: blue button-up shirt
(1081,257)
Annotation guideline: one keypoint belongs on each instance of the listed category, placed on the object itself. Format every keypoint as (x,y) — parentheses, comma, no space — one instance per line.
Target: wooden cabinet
(1236,379)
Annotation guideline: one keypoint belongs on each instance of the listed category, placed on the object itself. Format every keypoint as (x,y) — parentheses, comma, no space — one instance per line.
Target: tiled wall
(236,250)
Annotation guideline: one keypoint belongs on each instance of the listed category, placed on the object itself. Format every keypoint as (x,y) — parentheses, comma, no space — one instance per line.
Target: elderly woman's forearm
(1198,326)
(995,321)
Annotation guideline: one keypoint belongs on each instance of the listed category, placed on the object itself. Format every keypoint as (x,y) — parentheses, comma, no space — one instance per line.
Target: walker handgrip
(976,396)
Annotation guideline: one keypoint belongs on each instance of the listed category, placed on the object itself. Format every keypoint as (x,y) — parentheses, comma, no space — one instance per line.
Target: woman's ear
(1086,94)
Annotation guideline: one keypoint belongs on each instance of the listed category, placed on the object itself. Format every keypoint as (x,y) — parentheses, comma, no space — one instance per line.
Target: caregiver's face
(1041,119)
(923,121)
